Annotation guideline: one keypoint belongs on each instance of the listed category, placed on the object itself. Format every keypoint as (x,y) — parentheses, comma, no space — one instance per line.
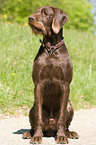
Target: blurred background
(18,48)
(81,13)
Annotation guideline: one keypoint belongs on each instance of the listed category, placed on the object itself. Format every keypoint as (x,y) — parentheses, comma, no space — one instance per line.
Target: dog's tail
(52,123)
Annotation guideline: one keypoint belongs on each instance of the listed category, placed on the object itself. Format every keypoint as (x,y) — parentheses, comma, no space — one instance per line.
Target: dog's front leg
(61,125)
(37,138)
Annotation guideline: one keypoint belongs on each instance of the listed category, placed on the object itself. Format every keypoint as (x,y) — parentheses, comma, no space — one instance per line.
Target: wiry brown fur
(52,74)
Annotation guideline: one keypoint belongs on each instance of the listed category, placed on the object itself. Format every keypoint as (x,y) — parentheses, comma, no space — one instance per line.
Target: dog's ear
(59,20)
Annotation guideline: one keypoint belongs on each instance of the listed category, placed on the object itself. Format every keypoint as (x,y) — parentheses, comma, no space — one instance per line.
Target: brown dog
(52,75)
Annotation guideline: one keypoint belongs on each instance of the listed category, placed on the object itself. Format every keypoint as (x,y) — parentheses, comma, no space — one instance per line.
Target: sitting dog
(52,74)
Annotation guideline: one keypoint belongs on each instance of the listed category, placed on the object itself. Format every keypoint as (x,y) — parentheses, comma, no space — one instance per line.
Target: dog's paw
(62,140)
(26,135)
(36,140)
(72,134)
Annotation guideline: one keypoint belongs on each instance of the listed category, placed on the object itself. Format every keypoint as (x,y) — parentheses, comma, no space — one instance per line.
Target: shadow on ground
(21,131)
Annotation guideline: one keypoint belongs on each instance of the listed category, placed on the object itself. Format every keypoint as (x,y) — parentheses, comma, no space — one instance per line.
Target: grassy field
(18,48)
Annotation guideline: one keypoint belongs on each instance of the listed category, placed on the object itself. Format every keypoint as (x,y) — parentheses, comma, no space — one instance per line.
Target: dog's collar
(51,49)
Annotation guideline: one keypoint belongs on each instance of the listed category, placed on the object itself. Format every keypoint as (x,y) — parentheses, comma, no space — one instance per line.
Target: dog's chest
(52,68)
(51,72)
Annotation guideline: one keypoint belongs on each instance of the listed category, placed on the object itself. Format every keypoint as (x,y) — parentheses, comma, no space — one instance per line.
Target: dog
(52,112)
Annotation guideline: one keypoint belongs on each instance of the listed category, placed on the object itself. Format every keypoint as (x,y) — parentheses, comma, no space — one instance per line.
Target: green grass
(18,48)
(82,49)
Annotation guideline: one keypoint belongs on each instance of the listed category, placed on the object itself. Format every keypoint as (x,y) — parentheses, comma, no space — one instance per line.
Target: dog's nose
(31,18)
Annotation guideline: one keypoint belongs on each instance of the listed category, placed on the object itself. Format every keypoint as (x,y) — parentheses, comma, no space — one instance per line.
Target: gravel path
(84,123)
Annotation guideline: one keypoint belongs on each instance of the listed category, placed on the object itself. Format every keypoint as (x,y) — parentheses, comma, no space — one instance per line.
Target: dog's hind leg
(70,113)
(30,133)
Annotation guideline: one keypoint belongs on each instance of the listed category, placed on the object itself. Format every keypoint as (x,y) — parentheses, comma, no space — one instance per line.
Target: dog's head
(47,19)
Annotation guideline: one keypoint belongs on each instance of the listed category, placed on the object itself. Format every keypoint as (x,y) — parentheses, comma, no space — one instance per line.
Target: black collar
(51,49)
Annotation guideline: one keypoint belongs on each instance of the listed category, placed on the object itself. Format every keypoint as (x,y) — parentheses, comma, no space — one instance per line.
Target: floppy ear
(59,20)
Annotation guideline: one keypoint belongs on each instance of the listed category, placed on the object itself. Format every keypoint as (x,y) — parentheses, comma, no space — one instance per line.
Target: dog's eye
(50,17)
(44,12)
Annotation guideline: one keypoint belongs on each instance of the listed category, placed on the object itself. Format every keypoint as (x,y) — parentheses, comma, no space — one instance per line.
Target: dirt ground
(84,123)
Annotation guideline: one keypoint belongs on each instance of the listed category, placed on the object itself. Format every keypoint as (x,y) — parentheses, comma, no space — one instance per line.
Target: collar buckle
(51,49)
